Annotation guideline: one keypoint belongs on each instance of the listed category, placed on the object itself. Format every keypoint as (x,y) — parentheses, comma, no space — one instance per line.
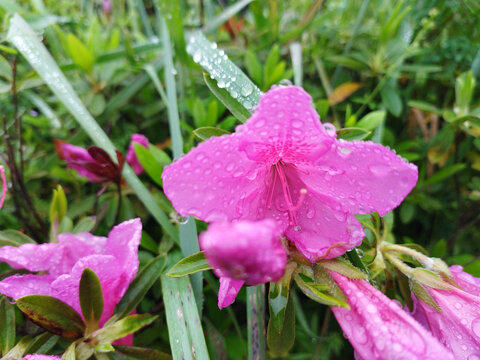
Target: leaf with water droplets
(237,109)
(224,71)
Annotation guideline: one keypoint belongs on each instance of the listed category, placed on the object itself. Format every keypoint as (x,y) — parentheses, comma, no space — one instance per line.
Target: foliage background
(415,63)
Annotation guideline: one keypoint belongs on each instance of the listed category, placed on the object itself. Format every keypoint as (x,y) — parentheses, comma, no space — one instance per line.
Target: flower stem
(119,204)
(422,259)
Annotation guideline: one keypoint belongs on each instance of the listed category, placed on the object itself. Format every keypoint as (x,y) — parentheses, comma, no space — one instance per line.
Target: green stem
(400,265)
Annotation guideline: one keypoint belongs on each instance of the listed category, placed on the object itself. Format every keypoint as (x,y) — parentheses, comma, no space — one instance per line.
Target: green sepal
(53,315)
(58,206)
(344,268)
(91,299)
(422,294)
(352,133)
(189,265)
(429,278)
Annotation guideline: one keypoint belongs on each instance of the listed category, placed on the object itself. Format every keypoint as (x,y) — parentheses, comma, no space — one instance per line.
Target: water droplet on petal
(310,213)
(476,327)
(379,170)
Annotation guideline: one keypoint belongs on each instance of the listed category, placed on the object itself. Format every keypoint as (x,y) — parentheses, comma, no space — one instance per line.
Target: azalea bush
(239,180)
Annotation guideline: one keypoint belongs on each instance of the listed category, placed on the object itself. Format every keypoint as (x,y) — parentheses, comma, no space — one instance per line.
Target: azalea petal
(75,156)
(245,250)
(112,280)
(21,285)
(365,176)
(215,181)
(123,242)
(33,257)
(228,291)
(131,156)
(41,357)
(468,282)
(285,126)
(325,231)
(379,329)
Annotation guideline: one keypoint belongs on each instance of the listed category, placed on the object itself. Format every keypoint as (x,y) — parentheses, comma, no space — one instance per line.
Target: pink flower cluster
(114,259)
(283,164)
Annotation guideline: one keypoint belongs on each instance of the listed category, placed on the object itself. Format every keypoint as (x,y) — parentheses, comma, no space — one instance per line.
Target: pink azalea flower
(93,163)
(284,164)
(113,258)
(379,329)
(4,186)
(41,357)
(243,252)
(131,157)
(458,326)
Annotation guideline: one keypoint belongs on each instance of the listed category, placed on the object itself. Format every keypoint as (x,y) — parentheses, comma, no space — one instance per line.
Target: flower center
(278,171)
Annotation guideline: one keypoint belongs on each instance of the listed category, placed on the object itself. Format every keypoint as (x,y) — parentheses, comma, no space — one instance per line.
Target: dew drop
(182,219)
(234,94)
(197,56)
(379,170)
(297,124)
(247,89)
(310,213)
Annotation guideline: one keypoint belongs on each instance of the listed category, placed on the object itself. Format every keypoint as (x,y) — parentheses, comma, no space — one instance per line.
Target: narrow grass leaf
(256,322)
(189,265)
(7,326)
(208,131)
(28,43)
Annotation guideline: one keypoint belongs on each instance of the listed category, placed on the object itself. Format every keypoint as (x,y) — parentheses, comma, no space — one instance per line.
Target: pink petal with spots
(21,285)
(379,329)
(41,357)
(122,243)
(132,157)
(215,181)
(362,175)
(32,257)
(284,127)
(469,283)
(245,250)
(458,326)
(228,291)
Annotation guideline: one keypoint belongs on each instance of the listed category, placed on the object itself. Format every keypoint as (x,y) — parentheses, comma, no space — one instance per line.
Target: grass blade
(188,230)
(225,15)
(26,41)
(256,322)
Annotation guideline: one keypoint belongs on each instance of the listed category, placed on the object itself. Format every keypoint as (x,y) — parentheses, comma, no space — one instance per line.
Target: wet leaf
(281,339)
(207,132)
(91,299)
(189,265)
(53,315)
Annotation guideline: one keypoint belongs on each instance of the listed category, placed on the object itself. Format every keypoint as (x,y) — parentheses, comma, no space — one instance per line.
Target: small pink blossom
(243,252)
(113,258)
(93,163)
(132,157)
(284,164)
(379,329)
(4,186)
(458,325)
(41,357)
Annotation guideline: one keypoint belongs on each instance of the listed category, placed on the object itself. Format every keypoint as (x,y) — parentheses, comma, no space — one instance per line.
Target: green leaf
(313,292)
(253,66)
(464,88)
(256,321)
(14,238)
(473,268)
(207,132)
(53,315)
(141,353)
(278,296)
(439,249)
(225,72)
(58,206)
(19,349)
(372,120)
(148,161)
(199,113)
(280,340)
(7,326)
(119,329)
(91,299)
(139,286)
(27,41)
(85,225)
(352,133)
(391,99)
(171,11)
(79,53)
(189,265)
(444,173)
(185,333)
(343,267)
(230,103)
